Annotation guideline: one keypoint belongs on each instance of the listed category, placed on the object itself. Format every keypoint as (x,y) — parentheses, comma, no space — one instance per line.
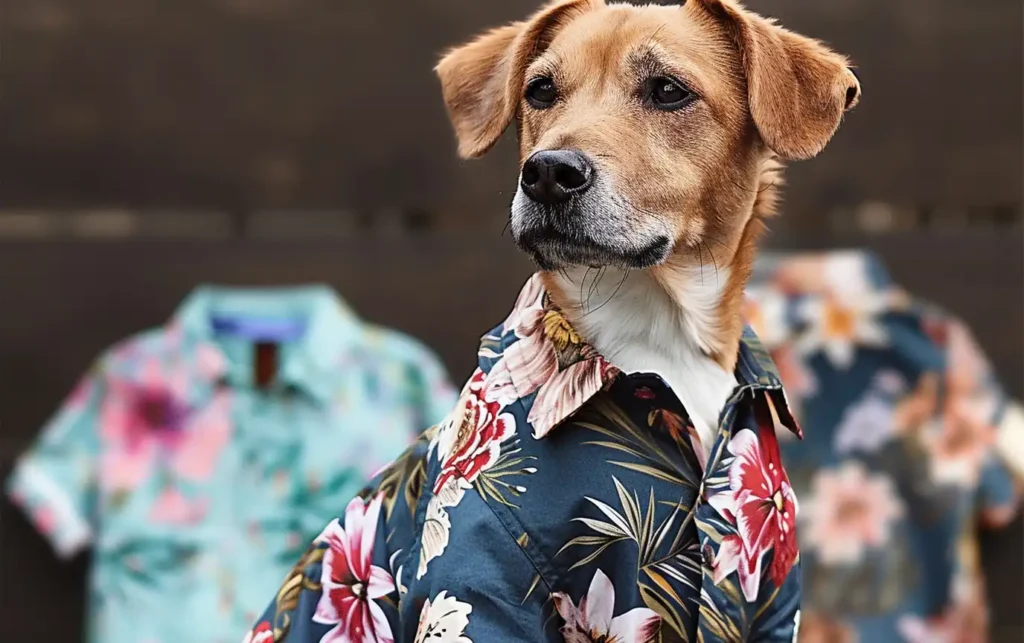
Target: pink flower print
(197,452)
(531,298)
(594,620)
(210,362)
(157,414)
(568,390)
(172,507)
(351,582)
(550,359)
(849,512)
(148,421)
(762,506)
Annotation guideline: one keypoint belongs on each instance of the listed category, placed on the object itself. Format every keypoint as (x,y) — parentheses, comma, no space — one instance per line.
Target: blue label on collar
(263,329)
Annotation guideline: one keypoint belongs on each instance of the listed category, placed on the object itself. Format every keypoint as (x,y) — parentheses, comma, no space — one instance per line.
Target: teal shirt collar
(308,363)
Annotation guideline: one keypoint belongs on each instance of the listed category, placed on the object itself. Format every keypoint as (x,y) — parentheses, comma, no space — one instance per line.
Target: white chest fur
(640,328)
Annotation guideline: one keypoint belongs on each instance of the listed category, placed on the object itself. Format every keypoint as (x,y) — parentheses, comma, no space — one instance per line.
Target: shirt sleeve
(361,580)
(55,482)
(979,399)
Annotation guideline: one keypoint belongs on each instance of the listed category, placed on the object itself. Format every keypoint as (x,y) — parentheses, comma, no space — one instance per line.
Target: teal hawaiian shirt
(562,500)
(197,481)
(904,462)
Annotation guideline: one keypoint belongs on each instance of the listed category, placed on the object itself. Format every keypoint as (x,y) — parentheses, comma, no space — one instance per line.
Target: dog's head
(643,131)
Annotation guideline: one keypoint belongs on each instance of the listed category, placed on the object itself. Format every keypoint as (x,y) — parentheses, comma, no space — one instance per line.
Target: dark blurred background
(150,145)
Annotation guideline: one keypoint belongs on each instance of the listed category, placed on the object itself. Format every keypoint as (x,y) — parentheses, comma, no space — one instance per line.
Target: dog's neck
(681,320)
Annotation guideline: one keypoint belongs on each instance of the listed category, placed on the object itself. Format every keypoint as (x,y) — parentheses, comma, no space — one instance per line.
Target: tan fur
(709,172)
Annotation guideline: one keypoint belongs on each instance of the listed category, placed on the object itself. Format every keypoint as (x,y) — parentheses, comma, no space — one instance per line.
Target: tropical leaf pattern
(563,501)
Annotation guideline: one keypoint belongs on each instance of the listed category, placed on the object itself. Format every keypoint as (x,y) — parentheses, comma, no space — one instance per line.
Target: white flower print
(437,526)
(593,620)
(397,573)
(836,325)
(765,311)
(866,425)
(443,620)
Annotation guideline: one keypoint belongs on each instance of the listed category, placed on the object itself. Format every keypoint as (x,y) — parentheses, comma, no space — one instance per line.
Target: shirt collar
(309,364)
(789,292)
(536,358)
(834,272)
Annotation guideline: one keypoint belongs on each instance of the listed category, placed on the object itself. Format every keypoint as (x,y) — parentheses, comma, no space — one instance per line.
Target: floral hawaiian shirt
(903,460)
(196,488)
(562,500)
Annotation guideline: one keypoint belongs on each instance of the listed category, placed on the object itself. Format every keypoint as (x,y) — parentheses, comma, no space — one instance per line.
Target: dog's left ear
(797,87)
(482,80)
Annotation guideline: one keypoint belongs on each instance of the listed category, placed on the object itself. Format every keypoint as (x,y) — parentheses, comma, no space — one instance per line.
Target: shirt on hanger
(562,500)
(903,465)
(198,463)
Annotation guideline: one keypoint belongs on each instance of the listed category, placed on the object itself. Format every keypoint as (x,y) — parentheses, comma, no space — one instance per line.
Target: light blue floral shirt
(196,487)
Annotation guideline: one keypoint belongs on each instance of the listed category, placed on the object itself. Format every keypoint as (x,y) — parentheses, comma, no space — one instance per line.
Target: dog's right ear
(483,79)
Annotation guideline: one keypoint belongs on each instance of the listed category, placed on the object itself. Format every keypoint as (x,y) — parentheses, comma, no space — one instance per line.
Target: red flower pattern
(262,633)
(762,506)
(351,582)
(470,442)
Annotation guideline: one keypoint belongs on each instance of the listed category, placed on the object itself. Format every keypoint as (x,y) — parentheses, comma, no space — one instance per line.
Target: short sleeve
(55,481)
(976,392)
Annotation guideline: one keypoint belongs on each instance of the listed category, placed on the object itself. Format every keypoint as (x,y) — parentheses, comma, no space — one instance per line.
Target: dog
(651,152)
(611,471)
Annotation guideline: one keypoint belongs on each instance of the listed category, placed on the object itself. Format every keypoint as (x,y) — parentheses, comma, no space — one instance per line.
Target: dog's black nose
(552,176)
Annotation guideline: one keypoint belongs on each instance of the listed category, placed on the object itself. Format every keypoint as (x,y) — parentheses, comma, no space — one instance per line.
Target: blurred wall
(243,105)
(146,145)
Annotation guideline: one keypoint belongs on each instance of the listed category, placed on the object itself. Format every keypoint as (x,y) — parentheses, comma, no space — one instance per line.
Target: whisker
(712,258)
(700,258)
(708,237)
(625,275)
(584,304)
(597,279)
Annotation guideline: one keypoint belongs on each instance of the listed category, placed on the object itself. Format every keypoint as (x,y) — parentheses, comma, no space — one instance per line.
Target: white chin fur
(642,329)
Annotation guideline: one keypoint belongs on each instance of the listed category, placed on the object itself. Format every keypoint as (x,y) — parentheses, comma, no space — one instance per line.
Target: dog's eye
(668,93)
(541,93)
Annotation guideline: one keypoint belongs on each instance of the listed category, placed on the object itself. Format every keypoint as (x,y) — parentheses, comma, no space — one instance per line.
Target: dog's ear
(483,79)
(797,87)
